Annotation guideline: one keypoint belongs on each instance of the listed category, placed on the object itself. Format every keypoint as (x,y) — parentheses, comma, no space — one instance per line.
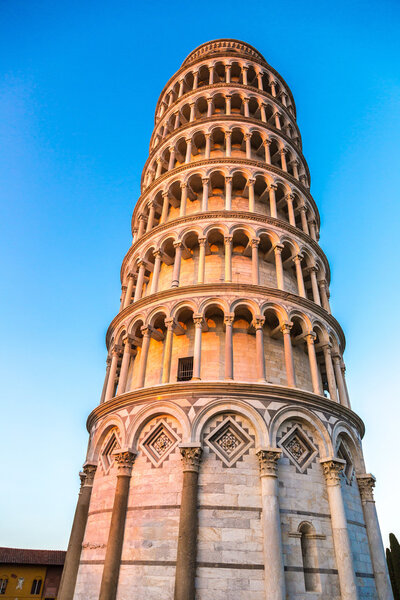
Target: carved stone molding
(124,460)
(366,484)
(332,468)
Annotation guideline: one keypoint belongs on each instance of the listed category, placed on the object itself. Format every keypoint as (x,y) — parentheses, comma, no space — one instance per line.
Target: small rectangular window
(36,586)
(185,368)
(3,585)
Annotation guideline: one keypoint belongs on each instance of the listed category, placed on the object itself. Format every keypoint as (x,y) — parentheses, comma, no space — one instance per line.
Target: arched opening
(309,557)
(241,257)
(244,345)
(213,343)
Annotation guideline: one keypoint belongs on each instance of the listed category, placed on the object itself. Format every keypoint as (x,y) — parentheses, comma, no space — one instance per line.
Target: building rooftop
(26,556)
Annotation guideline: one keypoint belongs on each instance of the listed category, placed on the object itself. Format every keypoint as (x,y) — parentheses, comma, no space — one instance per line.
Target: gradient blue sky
(79,82)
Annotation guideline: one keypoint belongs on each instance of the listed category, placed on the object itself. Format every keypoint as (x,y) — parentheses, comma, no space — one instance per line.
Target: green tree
(393,562)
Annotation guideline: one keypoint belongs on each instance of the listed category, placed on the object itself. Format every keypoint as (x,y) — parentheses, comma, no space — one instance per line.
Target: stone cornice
(224,289)
(232,389)
(220,85)
(226,161)
(222,215)
(203,60)
(223,119)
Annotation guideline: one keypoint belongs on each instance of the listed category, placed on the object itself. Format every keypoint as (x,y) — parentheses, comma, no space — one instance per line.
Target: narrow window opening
(309,556)
(3,585)
(185,368)
(36,586)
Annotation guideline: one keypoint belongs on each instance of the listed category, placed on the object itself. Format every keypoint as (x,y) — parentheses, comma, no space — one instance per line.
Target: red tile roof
(24,556)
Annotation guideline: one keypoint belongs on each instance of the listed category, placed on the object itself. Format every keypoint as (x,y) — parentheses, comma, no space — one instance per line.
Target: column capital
(188,140)
(245,100)
(116,351)
(205,180)
(209,100)
(258,322)
(88,472)
(286,327)
(332,468)
(228,239)
(228,179)
(289,196)
(228,95)
(151,204)
(247,136)
(298,258)
(142,217)
(202,241)
(170,323)
(198,320)
(255,242)
(157,253)
(267,142)
(228,133)
(272,186)
(191,456)
(327,348)
(268,461)
(192,103)
(278,248)
(366,483)
(229,318)
(311,337)
(164,193)
(146,330)
(251,180)
(183,185)
(283,150)
(124,460)
(178,244)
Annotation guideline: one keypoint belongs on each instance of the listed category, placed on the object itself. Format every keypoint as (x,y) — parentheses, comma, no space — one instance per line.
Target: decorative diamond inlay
(298,447)
(229,441)
(159,443)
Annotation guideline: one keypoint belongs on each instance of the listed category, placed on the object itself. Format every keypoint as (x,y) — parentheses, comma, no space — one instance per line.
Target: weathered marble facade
(224,459)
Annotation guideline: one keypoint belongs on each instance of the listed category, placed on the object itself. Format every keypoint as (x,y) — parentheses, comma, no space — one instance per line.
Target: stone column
(123,376)
(113,373)
(188,523)
(289,363)
(247,140)
(272,200)
(254,261)
(204,202)
(228,98)
(228,193)
(209,107)
(228,258)
(211,75)
(252,206)
(188,150)
(299,275)
(343,369)
(150,219)
(159,167)
(244,74)
(259,81)
(314,285)
(143,355)
(140,281)
(123,295)
(258,323)
(329,372)
(228,148)
(165,208)
(202,260)
(295,166)
(366,484)
(142,220)
(208,145)
(324,295)
(177,120)
(156,271)
(274,574)
(198,327)
(109,581)
(192,107)
(339,379)
(106,378)
(310,338)
(71,565)
(166,371)
(182,209)
(266,144)
(279,266)
(273,88)
(228,320)
(303,217)
(278,124)
(344,558)
(289,200)
(171,163)
(246,107)
(228,73)
(195,80)
(129,288)
(177,264)
(180,93)
(263,113)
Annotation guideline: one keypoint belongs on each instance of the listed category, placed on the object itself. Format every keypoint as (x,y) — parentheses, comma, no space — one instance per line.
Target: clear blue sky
(79,84)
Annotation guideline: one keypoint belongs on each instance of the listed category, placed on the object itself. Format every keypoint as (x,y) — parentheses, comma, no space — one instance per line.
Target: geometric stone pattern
(344,453)
(159,442)
(229,441)
(299,448)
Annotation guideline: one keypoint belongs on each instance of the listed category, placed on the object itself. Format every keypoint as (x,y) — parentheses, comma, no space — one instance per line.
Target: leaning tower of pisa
(224,459)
